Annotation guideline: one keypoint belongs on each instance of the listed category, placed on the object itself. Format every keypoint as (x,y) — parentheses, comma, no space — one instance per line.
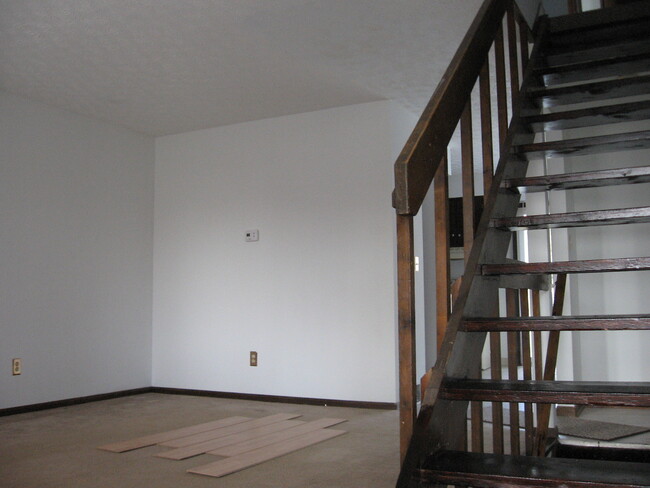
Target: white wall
(315,296)
(76,211)
(610,356)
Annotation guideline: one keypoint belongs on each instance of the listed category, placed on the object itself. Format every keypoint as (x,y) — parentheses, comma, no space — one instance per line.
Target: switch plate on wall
(253,358)
(252,235)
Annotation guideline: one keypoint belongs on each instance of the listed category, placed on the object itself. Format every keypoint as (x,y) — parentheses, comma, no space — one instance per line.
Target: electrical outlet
(16,366)
(253,358)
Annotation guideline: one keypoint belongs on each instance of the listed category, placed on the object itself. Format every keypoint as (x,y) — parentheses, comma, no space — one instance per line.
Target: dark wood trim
(72,401)
(206,393)
(276,398)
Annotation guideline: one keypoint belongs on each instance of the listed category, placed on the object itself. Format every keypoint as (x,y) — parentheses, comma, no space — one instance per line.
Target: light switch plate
(252,235)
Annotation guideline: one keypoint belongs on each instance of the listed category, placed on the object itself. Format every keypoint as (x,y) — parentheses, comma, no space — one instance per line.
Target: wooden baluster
(523,39)
(406,332)
(486,128)
(467,150)
(544,410)
(502,92)
(575,6)
(528,371)
(537,337)
(497,407)
(443,275)
(511,305)
(467,177)
(512,55)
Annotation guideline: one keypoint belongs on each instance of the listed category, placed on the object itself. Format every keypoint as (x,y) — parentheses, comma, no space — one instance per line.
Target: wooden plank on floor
(246,460)
(150,440)
(267,440)
(241,427)
(203,447)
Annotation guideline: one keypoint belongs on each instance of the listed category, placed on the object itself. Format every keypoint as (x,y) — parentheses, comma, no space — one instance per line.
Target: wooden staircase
(581,71)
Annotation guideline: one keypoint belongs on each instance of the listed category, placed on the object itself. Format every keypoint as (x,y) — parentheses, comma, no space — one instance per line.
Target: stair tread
(583,266)
(564,322)
(586,179)
(490,470)
(589,117)
(592,69)
(574,219)
(634,394)
(597,50)
(585,145)
(599,18)
(593,91)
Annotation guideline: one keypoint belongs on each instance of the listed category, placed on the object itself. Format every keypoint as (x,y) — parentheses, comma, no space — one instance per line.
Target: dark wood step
(587,179)
(619,216)
(589,117)
(583,38)
(594,69)
(582,322)
(498,470)
(585,145)
(586,266)
(600,18)
(601,393)
(590,92)
(597,50)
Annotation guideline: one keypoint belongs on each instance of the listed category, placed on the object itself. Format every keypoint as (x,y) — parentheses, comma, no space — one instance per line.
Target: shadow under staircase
(583,70)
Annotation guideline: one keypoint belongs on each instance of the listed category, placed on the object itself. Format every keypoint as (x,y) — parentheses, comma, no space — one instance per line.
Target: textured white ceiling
(169,66)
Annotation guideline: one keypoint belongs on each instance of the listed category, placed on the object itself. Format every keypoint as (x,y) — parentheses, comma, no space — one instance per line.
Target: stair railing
(498,33)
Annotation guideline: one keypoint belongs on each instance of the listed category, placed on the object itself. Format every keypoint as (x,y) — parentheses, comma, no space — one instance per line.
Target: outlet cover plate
(16,366)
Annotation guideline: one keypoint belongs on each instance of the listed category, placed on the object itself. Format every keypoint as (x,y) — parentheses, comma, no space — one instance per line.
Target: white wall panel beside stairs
(315,295)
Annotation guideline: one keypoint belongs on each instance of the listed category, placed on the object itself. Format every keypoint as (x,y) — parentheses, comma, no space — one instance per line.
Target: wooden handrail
(425,148)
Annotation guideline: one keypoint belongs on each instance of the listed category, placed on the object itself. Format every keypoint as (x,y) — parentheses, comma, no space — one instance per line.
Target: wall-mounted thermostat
(252,235)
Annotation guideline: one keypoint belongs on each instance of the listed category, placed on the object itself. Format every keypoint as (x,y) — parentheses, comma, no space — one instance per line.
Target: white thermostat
(252,235)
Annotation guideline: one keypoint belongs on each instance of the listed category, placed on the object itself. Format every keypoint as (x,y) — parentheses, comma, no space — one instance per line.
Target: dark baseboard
(207,393)
(72,401)
(276,398)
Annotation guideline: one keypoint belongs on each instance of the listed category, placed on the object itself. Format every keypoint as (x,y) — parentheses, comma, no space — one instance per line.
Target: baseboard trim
(207,393)
(72,401)
(276,398)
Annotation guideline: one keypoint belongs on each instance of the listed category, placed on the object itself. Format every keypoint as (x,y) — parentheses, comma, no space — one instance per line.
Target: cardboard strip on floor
(203,447)
(251,458)
(267,440)
(216,433)
(150,440)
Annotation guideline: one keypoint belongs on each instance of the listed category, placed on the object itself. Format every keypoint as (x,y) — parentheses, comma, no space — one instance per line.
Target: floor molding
(72,401)
(207,393)
(277,398)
